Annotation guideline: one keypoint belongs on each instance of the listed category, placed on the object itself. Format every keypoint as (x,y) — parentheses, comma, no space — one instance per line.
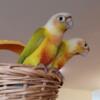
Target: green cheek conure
(43,46)
(68,49)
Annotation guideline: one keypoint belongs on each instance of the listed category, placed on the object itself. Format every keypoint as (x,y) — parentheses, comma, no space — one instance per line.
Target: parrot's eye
(85,44)
(61,18)
(86,47)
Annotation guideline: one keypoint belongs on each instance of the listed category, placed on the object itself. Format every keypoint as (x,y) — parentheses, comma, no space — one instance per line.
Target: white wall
(96,95)
(73,94)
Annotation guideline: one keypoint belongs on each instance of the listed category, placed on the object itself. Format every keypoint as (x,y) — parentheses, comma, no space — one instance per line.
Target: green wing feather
(33,44)
(61,49)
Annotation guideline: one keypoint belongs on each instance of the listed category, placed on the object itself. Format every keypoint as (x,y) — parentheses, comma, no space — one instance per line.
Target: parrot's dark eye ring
(61,18)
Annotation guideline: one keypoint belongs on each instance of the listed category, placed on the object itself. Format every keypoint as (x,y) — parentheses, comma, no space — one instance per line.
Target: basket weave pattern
(21,82)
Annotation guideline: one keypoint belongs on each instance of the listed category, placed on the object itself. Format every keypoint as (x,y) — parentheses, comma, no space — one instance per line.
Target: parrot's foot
(42,67)
(58,74)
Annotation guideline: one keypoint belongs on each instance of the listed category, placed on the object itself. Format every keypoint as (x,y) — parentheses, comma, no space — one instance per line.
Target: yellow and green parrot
(43,46)
(68,49)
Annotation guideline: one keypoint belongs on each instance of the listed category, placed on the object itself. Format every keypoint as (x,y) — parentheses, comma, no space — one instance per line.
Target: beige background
(74,94)
(19,18)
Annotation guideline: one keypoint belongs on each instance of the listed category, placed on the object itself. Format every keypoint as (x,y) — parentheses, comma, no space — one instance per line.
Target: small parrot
(68,49)
(43,46)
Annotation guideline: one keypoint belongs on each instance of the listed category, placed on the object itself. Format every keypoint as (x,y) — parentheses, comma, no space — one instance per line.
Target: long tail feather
(12,45)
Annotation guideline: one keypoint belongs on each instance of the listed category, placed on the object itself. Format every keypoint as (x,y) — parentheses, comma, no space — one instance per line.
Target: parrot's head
(59,23)
(78,46)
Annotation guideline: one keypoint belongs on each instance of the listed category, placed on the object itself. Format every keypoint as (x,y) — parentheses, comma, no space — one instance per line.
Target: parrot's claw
(58,74)
(42,67)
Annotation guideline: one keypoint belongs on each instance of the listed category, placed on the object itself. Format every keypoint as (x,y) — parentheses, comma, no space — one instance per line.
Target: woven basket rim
(18,81)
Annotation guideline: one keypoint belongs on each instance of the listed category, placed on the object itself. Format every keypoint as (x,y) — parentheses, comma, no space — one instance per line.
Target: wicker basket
(21,82)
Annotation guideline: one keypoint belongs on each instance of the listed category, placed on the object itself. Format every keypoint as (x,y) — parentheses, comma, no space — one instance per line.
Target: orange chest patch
(45,57)
(61,61)
(48,52)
